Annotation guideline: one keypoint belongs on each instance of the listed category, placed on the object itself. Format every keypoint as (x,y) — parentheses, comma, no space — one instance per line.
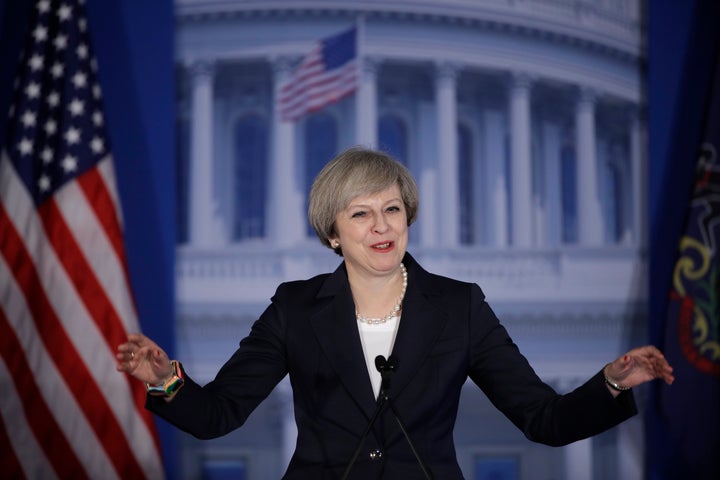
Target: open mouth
(383,246)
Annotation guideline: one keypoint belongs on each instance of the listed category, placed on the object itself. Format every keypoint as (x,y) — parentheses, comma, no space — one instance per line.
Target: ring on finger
(132,355)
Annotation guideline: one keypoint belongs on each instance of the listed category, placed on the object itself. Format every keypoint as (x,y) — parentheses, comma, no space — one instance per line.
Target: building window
(224,469)
(321,140)
(393,137)
(614,207)
(568,198)
(466,173)
(250,177)
(497,468)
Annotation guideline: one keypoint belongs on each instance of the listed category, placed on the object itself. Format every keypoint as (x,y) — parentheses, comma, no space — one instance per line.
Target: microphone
(386,367)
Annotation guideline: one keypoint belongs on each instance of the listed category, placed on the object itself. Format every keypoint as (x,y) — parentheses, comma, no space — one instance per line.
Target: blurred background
(553,142)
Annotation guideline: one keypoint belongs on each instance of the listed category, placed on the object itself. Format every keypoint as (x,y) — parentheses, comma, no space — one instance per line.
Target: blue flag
(690,408)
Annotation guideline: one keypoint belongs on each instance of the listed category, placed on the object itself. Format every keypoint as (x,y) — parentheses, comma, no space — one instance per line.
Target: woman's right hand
(143,359)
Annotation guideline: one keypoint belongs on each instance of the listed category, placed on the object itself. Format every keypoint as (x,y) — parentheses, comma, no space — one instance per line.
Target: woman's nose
(381,224)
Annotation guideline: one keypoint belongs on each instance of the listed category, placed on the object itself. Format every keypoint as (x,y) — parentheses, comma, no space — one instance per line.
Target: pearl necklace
(394,311)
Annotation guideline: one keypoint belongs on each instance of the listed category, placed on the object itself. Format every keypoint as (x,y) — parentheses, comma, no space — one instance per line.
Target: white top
(377,339)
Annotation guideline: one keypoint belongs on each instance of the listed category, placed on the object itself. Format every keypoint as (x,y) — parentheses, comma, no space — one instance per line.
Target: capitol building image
(523,122)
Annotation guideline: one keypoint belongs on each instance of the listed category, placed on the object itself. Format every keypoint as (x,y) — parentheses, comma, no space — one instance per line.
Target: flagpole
(360,37)
(365,98)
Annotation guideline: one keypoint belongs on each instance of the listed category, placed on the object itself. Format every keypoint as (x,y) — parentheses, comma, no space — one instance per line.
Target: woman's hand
(143,359)
(638,366)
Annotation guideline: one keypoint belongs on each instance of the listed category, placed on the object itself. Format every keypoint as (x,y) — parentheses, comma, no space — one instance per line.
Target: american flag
(325,75)
(65,299)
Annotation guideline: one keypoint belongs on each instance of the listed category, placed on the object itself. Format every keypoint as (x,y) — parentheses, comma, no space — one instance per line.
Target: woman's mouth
(383,246)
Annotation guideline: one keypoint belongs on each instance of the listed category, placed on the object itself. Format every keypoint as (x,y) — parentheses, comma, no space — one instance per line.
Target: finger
(138,339)
(160,358)
(653,352)
(127,352)
(122,364)
(626,360)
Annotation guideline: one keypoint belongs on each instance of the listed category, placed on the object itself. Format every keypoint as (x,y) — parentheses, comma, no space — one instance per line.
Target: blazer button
(376,454)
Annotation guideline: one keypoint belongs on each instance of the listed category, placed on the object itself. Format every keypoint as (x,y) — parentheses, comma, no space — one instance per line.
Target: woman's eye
(394,208)
(358,214)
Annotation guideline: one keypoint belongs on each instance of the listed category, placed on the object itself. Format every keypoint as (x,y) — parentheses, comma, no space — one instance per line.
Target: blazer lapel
(336,330)
(421,324)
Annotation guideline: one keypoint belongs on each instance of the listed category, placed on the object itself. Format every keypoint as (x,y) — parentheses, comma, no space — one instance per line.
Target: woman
(326,333)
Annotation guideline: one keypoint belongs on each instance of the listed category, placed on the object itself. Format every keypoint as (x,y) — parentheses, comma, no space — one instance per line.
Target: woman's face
(373,232)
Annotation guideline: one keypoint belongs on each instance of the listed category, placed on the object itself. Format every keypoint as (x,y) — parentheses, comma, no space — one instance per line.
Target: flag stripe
(107,172)
(82,276)
(104,226)
(101,201)
(320,91)
(63,352)
(9,463)
(36,417)
(97,355)
(98,280)
(311,66)
(298,92)
(309,74)
(317,98)
(47,378)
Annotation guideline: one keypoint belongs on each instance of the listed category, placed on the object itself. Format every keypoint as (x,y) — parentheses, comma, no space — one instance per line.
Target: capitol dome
(521,120)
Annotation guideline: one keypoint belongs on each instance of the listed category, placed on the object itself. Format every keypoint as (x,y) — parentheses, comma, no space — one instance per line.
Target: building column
(496,210)
(449,199)
(520,162)
(579,460)
(205,226)
(366,104)
(590,219)
(286,213)
(630,449)
(553,185)
(638,168)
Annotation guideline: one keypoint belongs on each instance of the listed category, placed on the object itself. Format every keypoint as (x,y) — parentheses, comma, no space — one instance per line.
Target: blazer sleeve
(511,384)
(241,384)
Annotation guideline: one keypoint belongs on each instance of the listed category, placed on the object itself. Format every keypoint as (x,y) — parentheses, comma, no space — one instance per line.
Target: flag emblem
(327,74)
(696,280)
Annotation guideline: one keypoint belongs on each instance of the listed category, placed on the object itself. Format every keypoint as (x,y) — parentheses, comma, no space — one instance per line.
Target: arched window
(568,196)
(321,140)
(392,137)
(250,177)
(614,206)
(466,173)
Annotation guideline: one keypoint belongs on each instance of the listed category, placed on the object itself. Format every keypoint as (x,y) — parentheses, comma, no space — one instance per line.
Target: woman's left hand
(638,366)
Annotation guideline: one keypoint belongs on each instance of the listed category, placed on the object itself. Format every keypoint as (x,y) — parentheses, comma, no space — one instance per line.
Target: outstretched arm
(636,367)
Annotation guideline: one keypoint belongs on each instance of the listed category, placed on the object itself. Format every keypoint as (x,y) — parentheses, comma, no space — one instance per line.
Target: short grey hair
(354,172)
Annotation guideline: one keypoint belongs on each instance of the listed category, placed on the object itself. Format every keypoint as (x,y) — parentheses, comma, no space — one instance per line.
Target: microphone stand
(386,367)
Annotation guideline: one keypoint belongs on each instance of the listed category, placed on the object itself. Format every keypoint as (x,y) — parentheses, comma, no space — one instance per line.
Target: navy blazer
(447,333)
